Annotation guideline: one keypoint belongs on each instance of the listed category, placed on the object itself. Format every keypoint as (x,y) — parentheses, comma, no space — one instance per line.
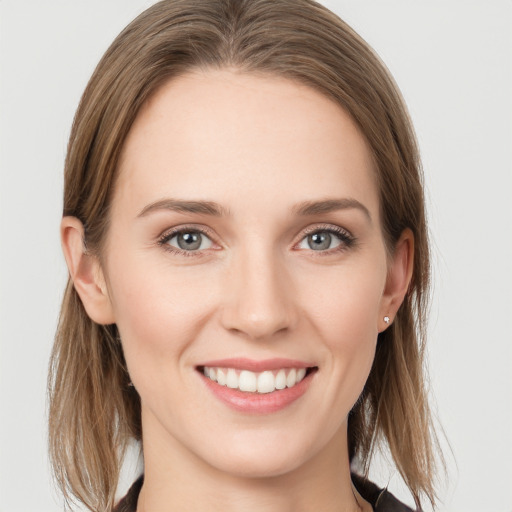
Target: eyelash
(169,235)
(347,239)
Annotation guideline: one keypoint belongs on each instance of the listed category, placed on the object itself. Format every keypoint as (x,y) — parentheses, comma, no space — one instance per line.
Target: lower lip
(258,403)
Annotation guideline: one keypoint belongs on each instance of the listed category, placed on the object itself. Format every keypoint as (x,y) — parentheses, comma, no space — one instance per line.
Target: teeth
(221,376)
(281,379)
(232,379)
(290,380)
(250,382)
(247,381)
(266,382)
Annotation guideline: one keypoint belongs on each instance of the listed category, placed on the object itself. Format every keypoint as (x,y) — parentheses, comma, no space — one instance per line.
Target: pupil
(189,241)
(320,241)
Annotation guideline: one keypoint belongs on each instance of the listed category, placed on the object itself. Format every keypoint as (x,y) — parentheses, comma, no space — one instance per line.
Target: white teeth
(266,382)
(232,379)
(291,379)
(250,382)
(221,377)
(247,381)
(281,379)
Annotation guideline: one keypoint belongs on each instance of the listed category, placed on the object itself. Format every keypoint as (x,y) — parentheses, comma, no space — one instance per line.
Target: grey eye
(190,241)
(320,241)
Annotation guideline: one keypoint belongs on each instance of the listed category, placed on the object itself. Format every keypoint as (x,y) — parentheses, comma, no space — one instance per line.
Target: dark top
(380,499)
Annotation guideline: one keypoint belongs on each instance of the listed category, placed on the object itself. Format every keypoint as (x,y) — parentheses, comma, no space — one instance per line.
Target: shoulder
(380,499)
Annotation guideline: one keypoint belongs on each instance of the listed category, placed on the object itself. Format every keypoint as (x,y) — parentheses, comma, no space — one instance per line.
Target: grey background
(452,60)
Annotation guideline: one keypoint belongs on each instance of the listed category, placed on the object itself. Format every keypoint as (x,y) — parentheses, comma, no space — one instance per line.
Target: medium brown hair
(93,411)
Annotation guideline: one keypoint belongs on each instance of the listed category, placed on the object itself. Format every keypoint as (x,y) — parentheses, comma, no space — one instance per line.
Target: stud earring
(386,319)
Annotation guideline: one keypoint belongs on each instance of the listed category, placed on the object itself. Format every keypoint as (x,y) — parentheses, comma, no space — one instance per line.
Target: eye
(319,241)
(188,240)
(326,239)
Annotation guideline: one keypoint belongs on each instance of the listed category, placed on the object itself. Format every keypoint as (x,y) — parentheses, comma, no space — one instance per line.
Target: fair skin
(267,280)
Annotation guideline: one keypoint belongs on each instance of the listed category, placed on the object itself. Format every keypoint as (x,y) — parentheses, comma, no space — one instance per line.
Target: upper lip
(253,365)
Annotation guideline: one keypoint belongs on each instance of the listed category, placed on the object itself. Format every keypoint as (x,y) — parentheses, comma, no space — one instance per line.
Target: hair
(93,412)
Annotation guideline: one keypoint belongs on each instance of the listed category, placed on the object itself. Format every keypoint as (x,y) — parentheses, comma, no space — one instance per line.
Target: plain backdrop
(452,60)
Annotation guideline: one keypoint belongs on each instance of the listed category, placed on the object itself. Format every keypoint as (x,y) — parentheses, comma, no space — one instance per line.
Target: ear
(398,278)
(86,272)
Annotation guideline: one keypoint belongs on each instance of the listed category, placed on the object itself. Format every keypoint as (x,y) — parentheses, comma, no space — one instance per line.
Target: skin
(258,146)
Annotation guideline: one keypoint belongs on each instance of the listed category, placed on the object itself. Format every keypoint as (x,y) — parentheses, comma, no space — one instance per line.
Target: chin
(261,457)
(259,466)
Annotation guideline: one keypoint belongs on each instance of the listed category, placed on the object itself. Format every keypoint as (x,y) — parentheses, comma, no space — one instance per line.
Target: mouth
(263,382)
(257,387)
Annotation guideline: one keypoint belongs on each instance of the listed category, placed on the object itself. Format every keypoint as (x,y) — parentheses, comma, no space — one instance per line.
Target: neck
(176,479)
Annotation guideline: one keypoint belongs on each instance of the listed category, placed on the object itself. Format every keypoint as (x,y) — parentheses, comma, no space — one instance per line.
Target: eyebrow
(305,208)
(201,207)
(330,205)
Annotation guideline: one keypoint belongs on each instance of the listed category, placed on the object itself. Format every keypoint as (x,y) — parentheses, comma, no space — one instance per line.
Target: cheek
(345,317)
(159,312)
(345,303)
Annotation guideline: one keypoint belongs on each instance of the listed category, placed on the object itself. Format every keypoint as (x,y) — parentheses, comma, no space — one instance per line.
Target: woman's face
(245,243)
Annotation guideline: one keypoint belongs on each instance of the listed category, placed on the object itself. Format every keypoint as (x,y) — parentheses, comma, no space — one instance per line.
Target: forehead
(242,138)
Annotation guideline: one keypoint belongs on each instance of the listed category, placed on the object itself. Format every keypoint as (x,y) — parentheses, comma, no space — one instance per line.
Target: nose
(259,297)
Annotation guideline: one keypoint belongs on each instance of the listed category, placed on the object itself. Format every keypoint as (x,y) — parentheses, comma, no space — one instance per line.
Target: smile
(252,382)
(257,387)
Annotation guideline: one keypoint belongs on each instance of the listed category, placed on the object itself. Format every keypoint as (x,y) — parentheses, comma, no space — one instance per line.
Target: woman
(245,233)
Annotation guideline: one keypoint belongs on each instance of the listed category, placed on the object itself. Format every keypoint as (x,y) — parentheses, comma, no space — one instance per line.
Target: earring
(386,319)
